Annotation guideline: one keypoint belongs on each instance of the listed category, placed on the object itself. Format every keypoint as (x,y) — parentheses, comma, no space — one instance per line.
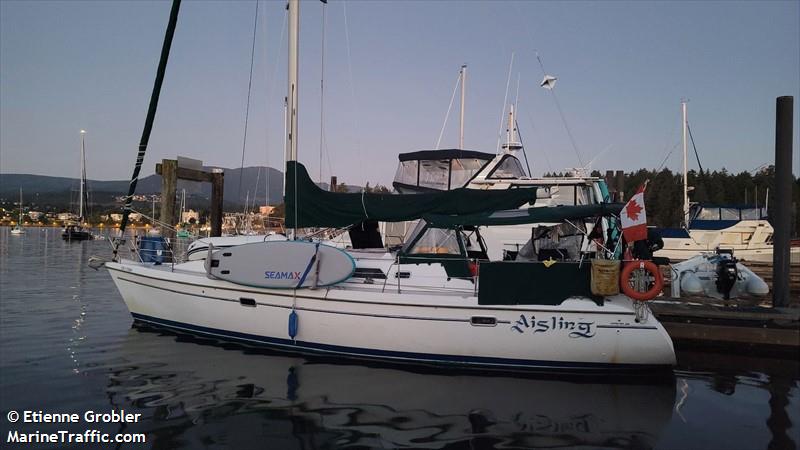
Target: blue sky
(622,70)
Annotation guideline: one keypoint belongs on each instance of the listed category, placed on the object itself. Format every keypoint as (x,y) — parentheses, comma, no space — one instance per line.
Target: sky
(390,69)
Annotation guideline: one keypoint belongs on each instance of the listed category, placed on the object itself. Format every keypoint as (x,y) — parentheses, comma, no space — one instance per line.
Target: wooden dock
(747,324)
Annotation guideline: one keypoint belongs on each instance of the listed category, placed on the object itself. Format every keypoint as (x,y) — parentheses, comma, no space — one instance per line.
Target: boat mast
(83,175)
(294,31)
(291,94)
(463,97)
(511,144)
(685,170)
(19,224)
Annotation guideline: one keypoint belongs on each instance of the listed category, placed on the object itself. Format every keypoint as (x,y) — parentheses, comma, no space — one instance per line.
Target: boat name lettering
(281,275)
(577,329)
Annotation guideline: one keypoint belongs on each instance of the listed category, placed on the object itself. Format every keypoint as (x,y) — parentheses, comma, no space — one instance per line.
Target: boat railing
(154,250)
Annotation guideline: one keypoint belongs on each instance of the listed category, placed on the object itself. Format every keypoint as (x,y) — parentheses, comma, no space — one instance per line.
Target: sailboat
(437,300)
(18,227)
(742,230)
(75,231)
(182,231)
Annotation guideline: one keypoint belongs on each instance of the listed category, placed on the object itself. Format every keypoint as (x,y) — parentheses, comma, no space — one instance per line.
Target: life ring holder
(649,266)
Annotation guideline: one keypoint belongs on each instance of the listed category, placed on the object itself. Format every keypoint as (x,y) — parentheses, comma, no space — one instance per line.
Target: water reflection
(728,374)
(335,405)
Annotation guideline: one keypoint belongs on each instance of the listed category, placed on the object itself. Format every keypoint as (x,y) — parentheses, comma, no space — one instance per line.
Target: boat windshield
(733,212)
(439,174)
(463,169)
(565,194)
(434,174)
(426,240)
(509,168)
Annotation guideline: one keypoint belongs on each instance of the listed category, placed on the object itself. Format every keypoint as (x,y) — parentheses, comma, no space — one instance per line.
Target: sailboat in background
(75,231)
(18,227)
(182,231)
(708,228)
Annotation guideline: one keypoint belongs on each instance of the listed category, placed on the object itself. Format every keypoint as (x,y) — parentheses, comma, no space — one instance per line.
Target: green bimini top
(309,206)
(545,214)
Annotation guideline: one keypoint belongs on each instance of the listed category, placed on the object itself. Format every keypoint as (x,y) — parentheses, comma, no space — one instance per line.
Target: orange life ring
(658,280)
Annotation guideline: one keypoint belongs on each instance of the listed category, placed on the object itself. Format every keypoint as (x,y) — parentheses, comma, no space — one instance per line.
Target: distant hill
(44,189)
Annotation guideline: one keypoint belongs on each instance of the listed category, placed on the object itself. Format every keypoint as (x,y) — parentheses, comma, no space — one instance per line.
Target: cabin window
(434,174)
(407,173)
(509,168)
(729,213)
(463,169)
(708,214)
(436,241)
(752,213)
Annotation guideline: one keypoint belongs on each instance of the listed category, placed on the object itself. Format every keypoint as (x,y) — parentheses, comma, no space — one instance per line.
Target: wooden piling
(782,213)
(170,174)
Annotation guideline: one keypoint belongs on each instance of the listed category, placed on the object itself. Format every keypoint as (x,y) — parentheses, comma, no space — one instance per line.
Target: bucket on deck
(153,249)
(605,277)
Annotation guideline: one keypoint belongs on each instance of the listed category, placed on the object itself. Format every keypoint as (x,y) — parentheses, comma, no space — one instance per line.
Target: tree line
(664,194)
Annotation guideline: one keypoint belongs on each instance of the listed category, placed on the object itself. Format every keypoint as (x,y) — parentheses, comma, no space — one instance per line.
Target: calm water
(67,345)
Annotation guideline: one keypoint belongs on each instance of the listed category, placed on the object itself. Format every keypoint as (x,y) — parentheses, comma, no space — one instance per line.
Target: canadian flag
(634,218)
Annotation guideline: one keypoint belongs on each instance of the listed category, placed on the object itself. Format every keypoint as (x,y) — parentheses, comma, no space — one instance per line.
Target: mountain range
(61,192)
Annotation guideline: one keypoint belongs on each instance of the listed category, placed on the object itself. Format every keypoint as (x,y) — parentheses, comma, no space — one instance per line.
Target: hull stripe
(457,360)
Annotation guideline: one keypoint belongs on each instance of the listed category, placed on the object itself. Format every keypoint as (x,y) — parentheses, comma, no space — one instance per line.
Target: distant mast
(685,169)
(511,133)
(83,176)
(463,98)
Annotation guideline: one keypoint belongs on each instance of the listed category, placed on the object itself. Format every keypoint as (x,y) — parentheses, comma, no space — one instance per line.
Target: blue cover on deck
(673,233)
(712,224)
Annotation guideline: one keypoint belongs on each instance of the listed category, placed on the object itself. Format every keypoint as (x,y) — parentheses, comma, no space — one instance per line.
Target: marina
(483,299)
(83,353)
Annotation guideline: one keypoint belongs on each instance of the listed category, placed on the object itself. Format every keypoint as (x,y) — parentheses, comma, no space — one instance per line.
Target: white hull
(431,325)
(679,249)
(750,240)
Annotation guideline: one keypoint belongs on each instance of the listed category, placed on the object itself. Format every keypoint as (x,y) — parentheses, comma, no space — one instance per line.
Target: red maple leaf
(632,209)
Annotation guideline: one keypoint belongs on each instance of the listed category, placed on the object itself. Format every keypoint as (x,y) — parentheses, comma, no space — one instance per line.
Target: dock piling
(782,215)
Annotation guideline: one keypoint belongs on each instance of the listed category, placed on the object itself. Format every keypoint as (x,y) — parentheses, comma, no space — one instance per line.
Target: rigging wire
(151,115)
(561,113)
(664,161)
(505,99)
(247,108)
(352,84)
(696,155)
(270,92)
(524,153)
(533,127)
(449,107)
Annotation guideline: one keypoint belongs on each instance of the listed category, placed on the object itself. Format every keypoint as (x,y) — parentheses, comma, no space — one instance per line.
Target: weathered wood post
(171,171)
(217,191)
(168,169)
(782,216)
(612,185)
(620,175)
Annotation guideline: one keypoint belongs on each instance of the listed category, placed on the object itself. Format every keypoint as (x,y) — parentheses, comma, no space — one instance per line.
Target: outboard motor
(727,274)
(645,249)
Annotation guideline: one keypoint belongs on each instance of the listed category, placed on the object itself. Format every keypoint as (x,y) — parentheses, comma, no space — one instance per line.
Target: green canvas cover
(309,206)
(533,283)
(545,214)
